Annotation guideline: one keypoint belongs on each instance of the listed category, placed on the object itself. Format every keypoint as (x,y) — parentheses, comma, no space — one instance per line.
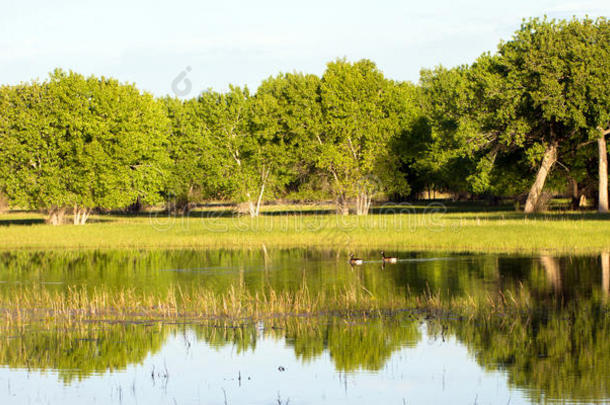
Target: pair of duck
(385,259)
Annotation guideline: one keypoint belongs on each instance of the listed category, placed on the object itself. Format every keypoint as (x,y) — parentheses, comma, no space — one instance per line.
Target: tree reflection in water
(552,339)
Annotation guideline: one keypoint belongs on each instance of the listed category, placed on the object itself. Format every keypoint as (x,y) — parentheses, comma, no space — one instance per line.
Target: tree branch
(351,147)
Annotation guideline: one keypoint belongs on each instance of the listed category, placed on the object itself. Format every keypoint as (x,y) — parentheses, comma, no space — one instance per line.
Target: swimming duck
(387,259)
(355,260)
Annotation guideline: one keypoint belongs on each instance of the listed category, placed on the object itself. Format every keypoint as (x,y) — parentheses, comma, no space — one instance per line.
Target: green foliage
(548,84)
(362,112)
(555,355)
(250,153)
(197,170)
(81,142)
(352,134)
(288,109)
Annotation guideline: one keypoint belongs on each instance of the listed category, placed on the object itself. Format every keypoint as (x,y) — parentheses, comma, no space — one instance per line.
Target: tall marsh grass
(22,305)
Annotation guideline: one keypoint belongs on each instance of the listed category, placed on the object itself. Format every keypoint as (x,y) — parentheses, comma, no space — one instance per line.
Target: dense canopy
(531,117)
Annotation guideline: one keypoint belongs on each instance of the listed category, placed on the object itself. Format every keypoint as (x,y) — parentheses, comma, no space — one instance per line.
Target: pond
(558,351)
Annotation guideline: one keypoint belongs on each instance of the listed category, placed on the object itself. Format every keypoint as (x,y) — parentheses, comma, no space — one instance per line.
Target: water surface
(560,354)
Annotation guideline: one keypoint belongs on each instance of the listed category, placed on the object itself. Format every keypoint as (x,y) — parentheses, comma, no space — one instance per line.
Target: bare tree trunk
(251,207)
(363,204)
(56,216)
(256,208)
(550,157)
(603,174)
(75,215)
(80,215)
(551,267)
(260,198)
(367,205)
(84,215)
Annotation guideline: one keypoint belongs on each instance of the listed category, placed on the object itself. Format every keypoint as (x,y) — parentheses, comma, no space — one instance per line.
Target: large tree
(545,93)
(288,108)
(250,154)
(589,74)
(360,117)
(562,68)
(80,143)
(472,120)
(31,172)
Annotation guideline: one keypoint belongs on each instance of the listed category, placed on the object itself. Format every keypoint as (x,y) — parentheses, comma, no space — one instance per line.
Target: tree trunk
(56,216)
(550,157)
(186,204)
(366,204)
(251,207)
(603,174)
(80,215)
(342,205)
(76,215)
(260,198)
(136,207)
(363,204)
(84,215)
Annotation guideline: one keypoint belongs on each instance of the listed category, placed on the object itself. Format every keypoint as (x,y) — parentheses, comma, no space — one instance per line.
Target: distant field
(456,227)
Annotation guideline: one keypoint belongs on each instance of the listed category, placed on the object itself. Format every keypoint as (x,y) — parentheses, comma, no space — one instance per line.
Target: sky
(183,47)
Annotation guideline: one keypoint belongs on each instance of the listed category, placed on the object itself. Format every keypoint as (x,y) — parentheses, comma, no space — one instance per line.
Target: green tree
(561,67)
(32,167)
(360,117)
(249,151)
(471,116)
(544,94)
(586,52)
(288,108)
(195,170)
(117,138)
(83,143)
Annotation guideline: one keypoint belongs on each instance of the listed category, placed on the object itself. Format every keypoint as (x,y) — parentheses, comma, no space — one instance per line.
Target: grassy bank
(455,228)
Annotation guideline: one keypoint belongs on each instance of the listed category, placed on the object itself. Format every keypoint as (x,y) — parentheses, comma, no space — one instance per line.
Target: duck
(386,259)
(355,260)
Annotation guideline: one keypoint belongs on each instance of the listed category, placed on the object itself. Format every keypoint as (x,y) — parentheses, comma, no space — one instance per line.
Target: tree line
(534,113)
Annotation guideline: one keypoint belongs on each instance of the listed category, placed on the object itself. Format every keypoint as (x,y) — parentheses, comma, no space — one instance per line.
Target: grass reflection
(543,320)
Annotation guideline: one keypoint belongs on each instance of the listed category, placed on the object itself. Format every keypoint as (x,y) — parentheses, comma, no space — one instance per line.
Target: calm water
(560,354)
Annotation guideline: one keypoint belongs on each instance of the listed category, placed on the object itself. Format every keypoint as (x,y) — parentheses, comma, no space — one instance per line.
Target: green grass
(459,228)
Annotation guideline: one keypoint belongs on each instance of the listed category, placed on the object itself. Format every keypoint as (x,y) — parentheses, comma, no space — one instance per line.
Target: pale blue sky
(242,42)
